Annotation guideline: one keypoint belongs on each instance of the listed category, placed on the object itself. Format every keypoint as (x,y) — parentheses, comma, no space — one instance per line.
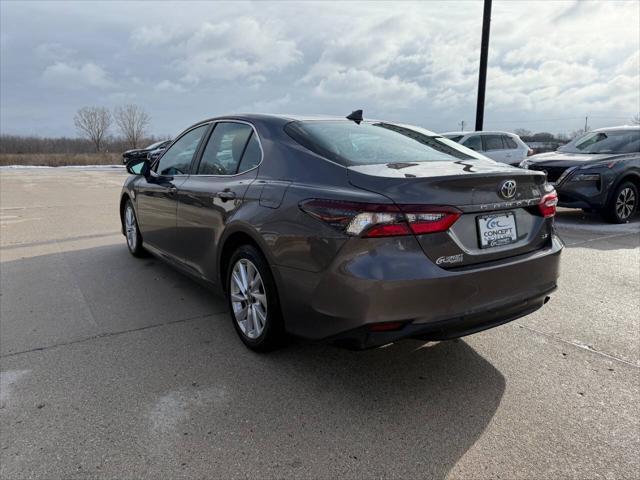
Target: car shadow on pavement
(411,409)
(408,410)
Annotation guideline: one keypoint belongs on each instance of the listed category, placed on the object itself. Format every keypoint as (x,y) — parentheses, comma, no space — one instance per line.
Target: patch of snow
(7,380)
(82,167)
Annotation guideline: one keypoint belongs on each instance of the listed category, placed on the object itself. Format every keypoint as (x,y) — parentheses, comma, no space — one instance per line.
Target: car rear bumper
(362,337)
(391,280)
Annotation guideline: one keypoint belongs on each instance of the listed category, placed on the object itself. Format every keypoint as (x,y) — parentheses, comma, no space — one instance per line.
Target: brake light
(430,219)
(548,204)
(381,220)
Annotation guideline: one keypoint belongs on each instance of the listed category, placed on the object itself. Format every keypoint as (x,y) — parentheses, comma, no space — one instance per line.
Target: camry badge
(507,189)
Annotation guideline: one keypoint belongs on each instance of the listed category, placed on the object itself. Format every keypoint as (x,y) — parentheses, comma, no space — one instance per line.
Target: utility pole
(462,126)
(484,53)
(586,123)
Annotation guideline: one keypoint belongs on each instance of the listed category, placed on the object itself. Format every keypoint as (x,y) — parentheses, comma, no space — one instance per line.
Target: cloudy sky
(550,63)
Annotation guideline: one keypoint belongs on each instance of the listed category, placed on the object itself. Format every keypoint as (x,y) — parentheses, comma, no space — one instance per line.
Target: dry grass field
(60,159)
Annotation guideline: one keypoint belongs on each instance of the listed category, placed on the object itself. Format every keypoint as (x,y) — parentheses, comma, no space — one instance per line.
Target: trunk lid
(474,187)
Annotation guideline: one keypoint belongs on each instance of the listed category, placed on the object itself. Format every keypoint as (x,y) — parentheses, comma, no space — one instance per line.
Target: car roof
(468,132)
(621,127)
(276,116)
(283,118)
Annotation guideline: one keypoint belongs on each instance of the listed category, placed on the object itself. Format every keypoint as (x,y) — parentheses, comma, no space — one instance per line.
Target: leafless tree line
(34,145)
(94,126)
(94,123)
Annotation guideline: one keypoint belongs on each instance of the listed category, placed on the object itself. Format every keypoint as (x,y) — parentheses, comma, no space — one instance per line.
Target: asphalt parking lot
(115,367)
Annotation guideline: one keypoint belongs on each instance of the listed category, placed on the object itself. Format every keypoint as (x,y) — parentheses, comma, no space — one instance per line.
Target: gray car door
(213,193)
(156,195)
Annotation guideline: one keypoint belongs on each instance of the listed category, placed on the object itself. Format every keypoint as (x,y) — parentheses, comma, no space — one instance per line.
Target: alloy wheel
(248,298)
(625,203)
(131,228)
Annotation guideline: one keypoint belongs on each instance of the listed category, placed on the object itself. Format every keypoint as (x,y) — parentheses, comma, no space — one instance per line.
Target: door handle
(226,195)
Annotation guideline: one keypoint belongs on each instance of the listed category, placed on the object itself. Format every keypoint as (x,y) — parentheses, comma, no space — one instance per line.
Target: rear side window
(252,155)
(474,143)
(348,143)
(509,142)
(493,142)
(224,149)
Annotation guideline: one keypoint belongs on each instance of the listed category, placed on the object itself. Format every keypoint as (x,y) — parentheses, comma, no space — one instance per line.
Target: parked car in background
(502,147)
(355,232)
(140,153)
(155,153)
(597,171)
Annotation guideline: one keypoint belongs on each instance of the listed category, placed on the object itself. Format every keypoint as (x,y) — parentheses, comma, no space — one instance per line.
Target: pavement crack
(111,334)
(581,346)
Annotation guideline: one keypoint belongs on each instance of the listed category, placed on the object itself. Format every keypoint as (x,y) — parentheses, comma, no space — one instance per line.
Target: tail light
(529,152)
(381,220)
(548,204)
(385,326)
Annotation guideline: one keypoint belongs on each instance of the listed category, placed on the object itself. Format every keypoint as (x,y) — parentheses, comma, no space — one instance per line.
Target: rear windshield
(351,144)
(612,141)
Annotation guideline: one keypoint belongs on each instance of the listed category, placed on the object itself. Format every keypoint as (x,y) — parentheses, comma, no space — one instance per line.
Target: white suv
(499,146)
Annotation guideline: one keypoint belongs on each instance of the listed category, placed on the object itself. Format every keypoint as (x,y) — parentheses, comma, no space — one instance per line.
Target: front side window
(177,159)
(493,142)
(474,143)
(612,141)
(348,143)
(224,149)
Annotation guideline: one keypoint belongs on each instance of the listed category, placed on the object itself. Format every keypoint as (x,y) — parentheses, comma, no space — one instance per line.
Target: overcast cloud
(550,63)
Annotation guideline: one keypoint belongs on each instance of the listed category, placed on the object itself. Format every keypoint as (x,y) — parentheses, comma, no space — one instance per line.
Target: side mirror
(139,167)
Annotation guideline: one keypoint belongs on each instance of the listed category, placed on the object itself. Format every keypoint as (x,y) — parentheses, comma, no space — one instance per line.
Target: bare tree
(93,123)
(132,122)
(636,120)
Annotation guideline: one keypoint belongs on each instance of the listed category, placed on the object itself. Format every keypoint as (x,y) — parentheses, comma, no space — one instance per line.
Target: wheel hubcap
(130,227)
(248,298)
(625,203)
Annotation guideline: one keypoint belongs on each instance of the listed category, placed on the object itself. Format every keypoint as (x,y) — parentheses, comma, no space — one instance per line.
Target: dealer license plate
(497,229)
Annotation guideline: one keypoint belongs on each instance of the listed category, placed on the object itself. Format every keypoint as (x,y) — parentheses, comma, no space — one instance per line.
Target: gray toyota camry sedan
(346,230)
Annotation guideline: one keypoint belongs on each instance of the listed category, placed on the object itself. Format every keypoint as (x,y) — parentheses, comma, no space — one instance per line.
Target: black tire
(272,335)
(134,242)
(622,205)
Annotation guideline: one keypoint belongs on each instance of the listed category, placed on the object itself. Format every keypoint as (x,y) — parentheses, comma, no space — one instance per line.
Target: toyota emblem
(508,189)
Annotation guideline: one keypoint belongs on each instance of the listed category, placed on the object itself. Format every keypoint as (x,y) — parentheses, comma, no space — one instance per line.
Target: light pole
(484,53)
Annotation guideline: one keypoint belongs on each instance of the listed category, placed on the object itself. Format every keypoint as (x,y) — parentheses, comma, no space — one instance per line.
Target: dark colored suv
(148,152)
(598,171)
(357,232)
